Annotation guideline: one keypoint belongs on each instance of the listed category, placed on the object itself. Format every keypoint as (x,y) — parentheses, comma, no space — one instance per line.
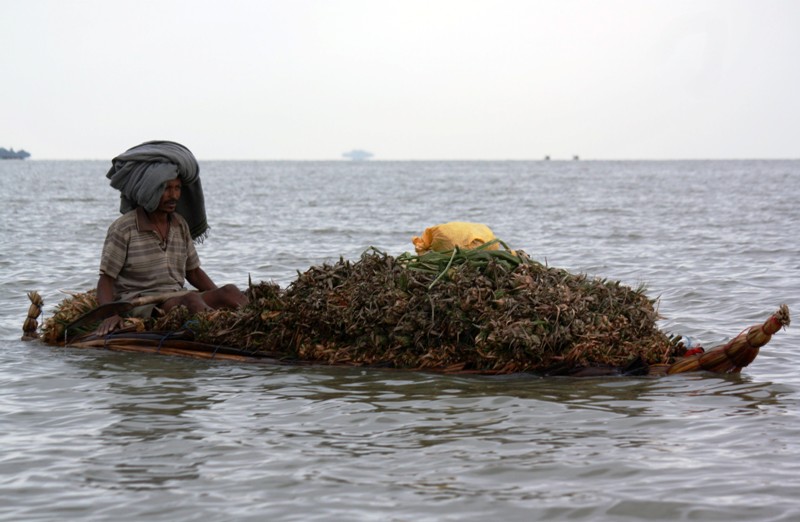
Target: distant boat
(11,154)
(357,155)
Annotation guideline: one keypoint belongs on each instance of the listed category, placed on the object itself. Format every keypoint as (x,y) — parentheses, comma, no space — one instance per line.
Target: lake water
(95,436)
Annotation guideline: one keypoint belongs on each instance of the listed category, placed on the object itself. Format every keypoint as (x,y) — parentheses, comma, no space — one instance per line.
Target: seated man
(150,248)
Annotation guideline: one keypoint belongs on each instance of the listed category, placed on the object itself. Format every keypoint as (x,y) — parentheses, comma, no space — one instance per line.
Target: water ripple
(95,435)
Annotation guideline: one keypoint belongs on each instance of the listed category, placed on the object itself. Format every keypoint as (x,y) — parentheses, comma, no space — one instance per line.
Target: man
(150,248)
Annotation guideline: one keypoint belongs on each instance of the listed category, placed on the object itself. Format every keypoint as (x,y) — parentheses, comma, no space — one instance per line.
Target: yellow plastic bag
(447,236)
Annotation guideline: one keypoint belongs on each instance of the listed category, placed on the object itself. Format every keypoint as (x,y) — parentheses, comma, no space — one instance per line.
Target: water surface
(94,435)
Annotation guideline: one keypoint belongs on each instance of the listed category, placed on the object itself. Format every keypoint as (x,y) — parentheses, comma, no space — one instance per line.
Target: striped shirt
(140,262)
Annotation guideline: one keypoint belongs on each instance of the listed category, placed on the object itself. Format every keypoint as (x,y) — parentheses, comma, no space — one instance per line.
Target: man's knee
(229,289)
(233,296)
(194,302)
(227,296)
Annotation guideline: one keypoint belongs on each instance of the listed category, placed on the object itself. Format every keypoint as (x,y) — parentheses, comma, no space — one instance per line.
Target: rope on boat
(164,337)
(187,327)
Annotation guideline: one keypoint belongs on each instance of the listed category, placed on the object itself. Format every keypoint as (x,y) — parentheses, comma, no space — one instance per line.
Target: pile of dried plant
(65,312)
(467,310)
(481,310)
(73,307)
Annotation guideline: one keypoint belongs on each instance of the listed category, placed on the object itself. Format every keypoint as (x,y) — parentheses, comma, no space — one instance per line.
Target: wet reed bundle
(739,352)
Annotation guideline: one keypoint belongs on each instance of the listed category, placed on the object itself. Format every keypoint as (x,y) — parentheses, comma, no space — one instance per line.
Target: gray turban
(141,173)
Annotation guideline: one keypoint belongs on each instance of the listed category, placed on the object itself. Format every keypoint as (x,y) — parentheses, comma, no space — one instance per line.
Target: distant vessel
(357,155)
(11,154)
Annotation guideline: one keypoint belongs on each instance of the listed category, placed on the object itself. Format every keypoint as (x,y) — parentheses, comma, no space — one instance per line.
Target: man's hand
(108,325)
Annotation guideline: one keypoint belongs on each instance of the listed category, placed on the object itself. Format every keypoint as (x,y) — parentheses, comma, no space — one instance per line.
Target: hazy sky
(406,79)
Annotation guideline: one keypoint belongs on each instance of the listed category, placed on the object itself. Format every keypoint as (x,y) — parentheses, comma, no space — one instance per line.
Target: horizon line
(378,160)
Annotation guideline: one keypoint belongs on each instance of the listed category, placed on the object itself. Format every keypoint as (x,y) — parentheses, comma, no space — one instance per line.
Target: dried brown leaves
(464,311)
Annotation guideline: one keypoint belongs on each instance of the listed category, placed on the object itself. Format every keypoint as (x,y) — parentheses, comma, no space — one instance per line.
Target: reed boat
(465,311)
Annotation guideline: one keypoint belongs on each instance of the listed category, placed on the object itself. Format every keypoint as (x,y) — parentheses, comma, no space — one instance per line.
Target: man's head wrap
(141,173)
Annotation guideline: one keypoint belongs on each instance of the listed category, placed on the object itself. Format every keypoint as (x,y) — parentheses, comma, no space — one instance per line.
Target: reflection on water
(168,428)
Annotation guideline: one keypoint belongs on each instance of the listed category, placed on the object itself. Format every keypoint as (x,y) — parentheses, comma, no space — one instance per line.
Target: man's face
(170,197)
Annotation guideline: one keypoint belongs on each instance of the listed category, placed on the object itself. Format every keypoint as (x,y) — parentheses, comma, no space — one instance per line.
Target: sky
(405,80)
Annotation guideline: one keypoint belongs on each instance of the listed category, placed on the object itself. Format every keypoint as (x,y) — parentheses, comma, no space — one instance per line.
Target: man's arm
(105,294)
(105,289)
(200,280)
